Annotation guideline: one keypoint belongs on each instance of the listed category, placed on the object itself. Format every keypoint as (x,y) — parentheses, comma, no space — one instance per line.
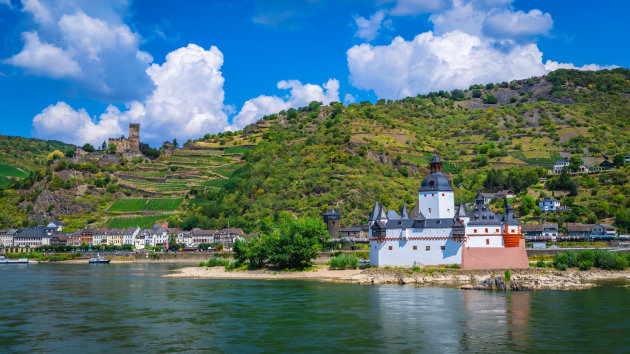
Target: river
(131,308)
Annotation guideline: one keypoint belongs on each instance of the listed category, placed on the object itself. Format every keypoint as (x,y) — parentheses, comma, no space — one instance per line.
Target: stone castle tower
(130,145)
(331,218)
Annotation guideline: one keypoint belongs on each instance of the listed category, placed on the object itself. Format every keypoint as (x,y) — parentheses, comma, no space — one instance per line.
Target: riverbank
(521,279)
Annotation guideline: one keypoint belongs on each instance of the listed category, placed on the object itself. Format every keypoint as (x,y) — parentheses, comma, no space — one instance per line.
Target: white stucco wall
(437,205)
(480,241)
(403,254)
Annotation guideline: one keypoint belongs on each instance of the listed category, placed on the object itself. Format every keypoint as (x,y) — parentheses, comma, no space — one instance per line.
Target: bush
(508,275)
(571,259)
(585,265)
(561,267)
(216,262)
(230,266)
(561,259)
(586,255)
(605,259)
(344,261)
(621,263)
(541,264)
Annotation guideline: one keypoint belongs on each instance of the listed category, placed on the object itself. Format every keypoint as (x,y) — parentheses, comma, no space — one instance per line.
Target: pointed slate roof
(404,214)
(375,211)
(509,218)
(382,215)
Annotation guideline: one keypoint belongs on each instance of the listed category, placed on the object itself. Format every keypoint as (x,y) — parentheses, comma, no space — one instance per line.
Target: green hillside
(491,137)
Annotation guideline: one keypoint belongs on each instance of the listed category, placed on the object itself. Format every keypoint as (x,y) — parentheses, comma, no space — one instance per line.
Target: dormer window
(431,184)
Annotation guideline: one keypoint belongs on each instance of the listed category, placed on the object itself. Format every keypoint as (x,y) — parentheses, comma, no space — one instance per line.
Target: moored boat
(99,259)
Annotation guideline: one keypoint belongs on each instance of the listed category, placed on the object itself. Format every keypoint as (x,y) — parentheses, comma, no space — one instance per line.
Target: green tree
(88,148)
(476,93)
(527,204)
(294,243)
(490,99)
(112,148)
(619,160)
(575,162)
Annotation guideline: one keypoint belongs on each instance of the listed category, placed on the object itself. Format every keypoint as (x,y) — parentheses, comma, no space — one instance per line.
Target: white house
(549,204)
(33,237)
(560,165)
(129,237)
(435,233)
(6,237)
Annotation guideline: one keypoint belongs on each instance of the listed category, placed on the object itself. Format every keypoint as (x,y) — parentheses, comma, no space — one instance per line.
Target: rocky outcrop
(521,279)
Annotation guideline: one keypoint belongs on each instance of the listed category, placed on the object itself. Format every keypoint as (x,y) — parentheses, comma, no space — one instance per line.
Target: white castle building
(437,233)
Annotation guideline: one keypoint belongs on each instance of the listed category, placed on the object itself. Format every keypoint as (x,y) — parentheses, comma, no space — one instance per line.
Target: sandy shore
(317,273)
(522,279)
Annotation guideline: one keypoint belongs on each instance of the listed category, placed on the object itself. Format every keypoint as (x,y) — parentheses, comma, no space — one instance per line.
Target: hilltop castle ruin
(131,144)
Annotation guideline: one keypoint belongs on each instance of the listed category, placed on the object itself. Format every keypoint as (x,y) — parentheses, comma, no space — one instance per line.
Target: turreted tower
(331,218)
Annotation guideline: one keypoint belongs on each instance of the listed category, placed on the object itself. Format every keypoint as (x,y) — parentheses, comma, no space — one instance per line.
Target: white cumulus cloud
(551,65)
(187,103)
(429,62)
(300,95)
(44,58)
(62,122)
(509,24)
(100,56)
(368,29)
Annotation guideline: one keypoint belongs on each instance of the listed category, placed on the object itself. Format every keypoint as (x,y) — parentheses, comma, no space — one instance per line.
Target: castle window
(428,248)
(415,248)
(487,241)
(390,248)
(442,248)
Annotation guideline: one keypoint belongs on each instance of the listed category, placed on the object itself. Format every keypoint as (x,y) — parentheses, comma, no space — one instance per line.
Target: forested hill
(491,137)
(348,156)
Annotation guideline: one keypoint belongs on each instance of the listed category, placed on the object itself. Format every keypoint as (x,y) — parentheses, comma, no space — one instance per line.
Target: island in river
(521,279)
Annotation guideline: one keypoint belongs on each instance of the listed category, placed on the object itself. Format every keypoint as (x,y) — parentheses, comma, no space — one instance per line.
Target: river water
(130,308)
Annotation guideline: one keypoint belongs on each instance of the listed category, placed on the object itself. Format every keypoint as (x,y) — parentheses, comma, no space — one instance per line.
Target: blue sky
(80,71)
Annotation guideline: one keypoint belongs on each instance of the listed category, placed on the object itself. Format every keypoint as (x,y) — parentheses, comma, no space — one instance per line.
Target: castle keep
(130,145)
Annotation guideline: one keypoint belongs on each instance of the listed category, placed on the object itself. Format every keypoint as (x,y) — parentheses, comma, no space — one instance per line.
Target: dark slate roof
(509,218)
(435,223)
(32,232)
(479,198)
(392,215)
(375,211)
(436,158)
(382,214)
(482,215)
(436,181)
(404,214)
(332,212)
(400,223)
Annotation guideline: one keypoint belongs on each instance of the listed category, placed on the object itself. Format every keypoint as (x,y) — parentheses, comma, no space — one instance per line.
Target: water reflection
(440,319)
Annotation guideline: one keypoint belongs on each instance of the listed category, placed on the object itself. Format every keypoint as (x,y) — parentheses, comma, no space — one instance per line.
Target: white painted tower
(436,197)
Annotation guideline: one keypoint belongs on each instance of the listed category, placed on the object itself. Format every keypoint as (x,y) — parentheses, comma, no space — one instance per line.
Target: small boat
(99,259)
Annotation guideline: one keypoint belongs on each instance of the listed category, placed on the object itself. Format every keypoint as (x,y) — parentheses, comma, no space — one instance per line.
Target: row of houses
(158,235)
(575,232)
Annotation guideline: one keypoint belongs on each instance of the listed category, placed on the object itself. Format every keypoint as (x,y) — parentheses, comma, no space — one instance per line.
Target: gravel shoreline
(521,279)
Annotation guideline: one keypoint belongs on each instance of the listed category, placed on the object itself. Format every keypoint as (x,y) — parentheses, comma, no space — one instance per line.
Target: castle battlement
(130,144)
